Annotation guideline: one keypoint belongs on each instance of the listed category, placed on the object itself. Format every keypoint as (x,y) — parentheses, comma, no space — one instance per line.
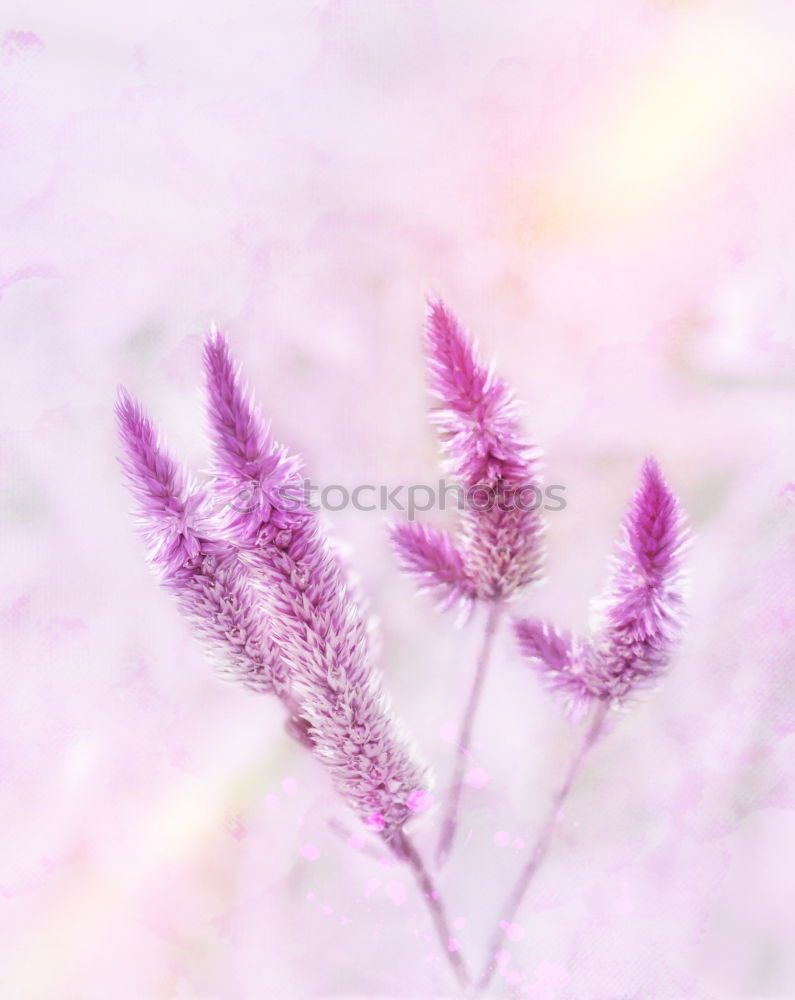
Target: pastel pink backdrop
(603,190)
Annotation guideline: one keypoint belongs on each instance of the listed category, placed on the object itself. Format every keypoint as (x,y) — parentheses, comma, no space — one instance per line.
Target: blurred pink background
(603,191)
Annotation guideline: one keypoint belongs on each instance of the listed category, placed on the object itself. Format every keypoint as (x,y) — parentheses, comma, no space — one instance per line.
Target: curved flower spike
(316,622)
(637,622)
(499,549)
(212,588)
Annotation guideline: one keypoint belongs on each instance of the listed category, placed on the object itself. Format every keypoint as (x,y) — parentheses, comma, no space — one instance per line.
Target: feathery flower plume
(430,556)
(498,549)
(636,627)
(636,623)
(210,585)
(317,625)
(500,541)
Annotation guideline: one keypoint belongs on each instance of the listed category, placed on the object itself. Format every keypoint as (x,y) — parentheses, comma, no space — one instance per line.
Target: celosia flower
(317,623)
(636,624)
(210,584)
(499,547)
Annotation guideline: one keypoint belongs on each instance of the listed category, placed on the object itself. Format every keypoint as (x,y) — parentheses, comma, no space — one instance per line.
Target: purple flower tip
(211,586)
(169,513)
(654,526)
(252,470)
(433,559)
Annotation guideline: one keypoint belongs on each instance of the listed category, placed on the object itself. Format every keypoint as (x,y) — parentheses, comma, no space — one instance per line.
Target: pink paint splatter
(310,852)
(477,778)
(375,821)
(501,838)
(419,800)
(396,891)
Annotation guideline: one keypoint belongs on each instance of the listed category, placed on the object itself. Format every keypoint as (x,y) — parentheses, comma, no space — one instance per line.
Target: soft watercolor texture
(604,192)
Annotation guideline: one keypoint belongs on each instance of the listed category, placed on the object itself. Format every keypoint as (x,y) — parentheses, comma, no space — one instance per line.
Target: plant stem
(450,819)
(542,843)
(409,854)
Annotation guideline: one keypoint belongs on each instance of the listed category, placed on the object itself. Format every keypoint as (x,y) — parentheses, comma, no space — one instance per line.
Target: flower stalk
(449,826)
(539,849)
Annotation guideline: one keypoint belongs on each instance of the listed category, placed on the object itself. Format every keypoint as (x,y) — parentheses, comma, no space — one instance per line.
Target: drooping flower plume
(637,622)
(211,586)
(498,549)
(317,623)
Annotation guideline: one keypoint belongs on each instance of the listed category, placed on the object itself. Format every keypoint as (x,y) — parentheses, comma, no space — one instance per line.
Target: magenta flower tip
(433,559)
(655,526)
(170,514)
(562,661)
(541,641)
(252,470)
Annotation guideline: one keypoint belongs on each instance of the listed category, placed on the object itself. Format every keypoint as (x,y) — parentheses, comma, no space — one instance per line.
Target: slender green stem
(539,850)
(450,818)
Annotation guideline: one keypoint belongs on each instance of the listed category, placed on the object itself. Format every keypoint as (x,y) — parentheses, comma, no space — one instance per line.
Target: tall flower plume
(317,623)
(637,622)
(211,587)
(635,629)
(499,545)
(497,548)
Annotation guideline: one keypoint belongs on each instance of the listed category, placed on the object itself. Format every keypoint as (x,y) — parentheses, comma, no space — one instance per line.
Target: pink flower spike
(638,621)
(561,660)
(541,641)
(477,412)
(499,549)
(636,624)
(254,474)
(317,620)
(210,585)
(431,557)
(168,509)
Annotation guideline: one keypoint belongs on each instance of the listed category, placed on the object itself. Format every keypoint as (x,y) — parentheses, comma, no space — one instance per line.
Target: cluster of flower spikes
(277,577)
(498,548)
(636,623)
